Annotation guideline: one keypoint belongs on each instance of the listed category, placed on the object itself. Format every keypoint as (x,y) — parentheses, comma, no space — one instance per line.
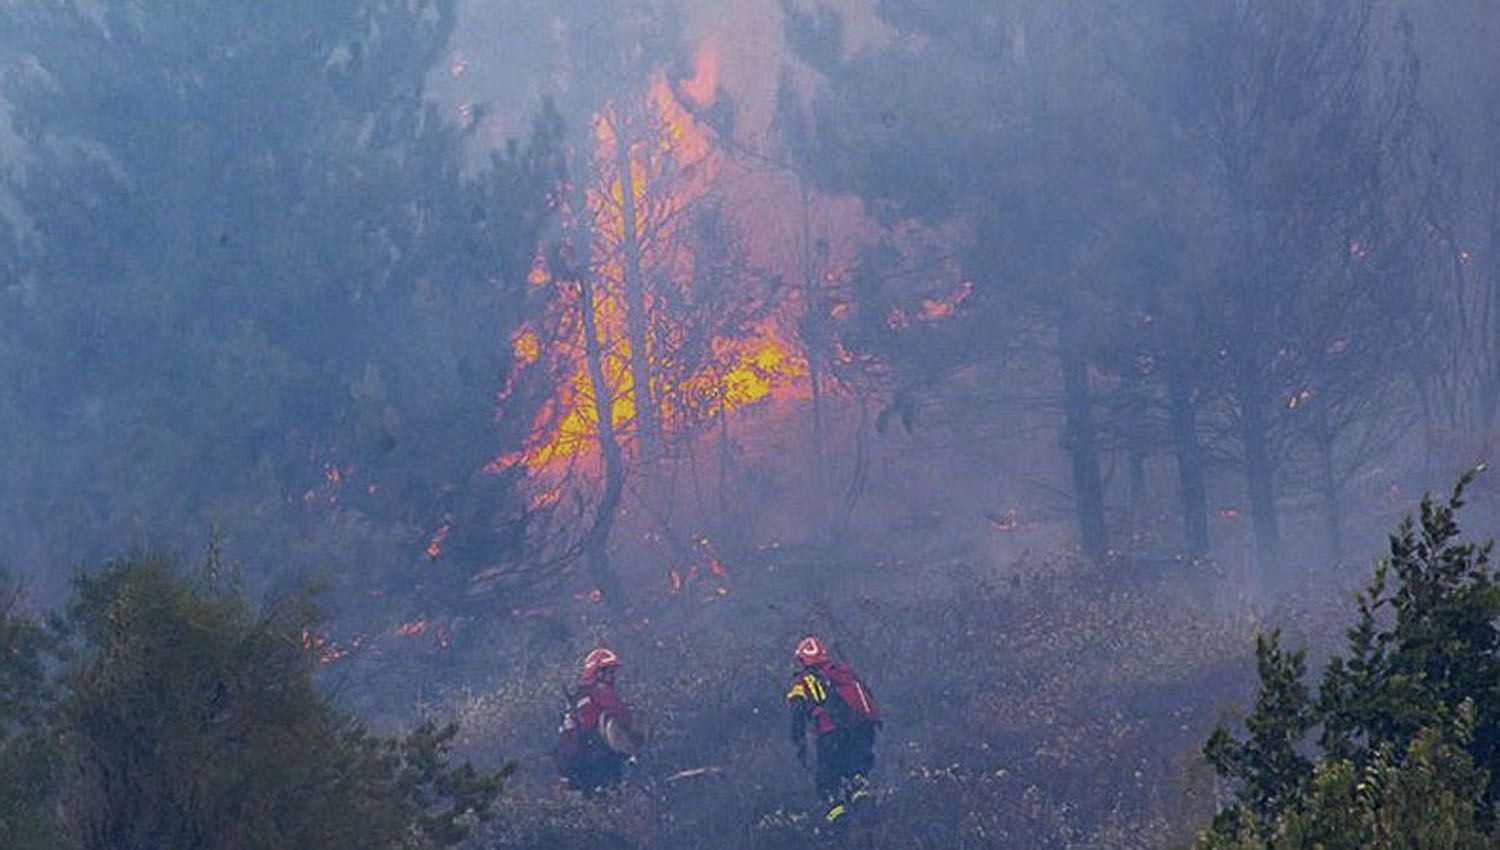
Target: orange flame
(703,88)
(413,628)
(673,164)
(439,537)
(527,347)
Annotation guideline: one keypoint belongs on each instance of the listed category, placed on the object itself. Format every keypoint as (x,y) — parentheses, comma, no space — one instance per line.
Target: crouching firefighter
(829,703)
(598,735)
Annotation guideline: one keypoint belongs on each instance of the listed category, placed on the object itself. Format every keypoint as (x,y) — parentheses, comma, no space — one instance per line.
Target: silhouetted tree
(966,121)
(261,284)
(191,720)
(29,752)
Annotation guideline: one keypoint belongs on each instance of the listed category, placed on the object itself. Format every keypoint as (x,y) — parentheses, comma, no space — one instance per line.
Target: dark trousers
(846,755)
(596,773)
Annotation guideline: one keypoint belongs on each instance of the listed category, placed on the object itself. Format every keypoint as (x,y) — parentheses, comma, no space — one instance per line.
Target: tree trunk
(820,488)
(1260,470)
(1079,441)
(815,378)
(637,322)
(1191,489)
(859,476)
(724,463)
(596,539)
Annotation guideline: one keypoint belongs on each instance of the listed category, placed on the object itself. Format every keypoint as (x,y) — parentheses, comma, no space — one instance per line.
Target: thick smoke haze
(1039,353)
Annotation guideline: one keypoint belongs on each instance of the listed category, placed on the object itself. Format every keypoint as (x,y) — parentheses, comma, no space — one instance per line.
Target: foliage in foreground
(27,755)
(184,717)
(1408,717)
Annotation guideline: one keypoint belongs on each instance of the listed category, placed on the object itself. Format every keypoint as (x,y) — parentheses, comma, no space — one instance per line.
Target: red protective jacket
(581,746)
(827,697)
(596,700)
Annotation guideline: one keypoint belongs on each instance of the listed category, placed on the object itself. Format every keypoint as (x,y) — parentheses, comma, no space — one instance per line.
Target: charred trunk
(820,489)
(1190,478)
(724,467)
(859,476)
(596,539)
(815,379)
(1260,468)
(1081,443)
(1333,520)
(637,321)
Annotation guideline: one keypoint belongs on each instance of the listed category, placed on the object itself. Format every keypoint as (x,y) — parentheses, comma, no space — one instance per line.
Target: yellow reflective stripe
(864,700)
(836,812)
(796,692)
(815,688)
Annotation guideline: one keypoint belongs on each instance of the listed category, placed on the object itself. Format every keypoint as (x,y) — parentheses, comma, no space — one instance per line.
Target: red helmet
(811,651)
(597,661)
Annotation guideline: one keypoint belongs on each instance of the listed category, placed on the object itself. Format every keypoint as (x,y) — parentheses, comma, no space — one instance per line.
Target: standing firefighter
(598,735)
(828,701)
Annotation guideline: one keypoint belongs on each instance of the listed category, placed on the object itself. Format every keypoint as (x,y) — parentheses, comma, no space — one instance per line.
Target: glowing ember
(526,347)
(435,545)
(546,498)
(539,276)
(934,309)
(413,628)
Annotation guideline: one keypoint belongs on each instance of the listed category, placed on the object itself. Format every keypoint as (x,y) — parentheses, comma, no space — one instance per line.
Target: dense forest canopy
(1042,353)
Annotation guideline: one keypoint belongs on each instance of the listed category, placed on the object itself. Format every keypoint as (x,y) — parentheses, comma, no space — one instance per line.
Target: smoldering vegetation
(1039,354)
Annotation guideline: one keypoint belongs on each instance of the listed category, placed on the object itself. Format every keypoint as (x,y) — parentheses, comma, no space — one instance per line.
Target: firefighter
(828,702)
(598,735)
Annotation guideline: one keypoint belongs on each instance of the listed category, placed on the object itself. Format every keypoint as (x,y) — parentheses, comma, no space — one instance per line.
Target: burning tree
(659,328)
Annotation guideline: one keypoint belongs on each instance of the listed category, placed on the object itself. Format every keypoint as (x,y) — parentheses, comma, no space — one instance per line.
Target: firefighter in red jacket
(829,703)
(598,735)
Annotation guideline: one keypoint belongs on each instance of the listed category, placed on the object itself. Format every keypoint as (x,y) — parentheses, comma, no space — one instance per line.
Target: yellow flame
(669,170)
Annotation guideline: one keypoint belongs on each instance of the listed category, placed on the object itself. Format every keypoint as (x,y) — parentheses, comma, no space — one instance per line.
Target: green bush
(28,755)
(1409,714)
(186,718)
